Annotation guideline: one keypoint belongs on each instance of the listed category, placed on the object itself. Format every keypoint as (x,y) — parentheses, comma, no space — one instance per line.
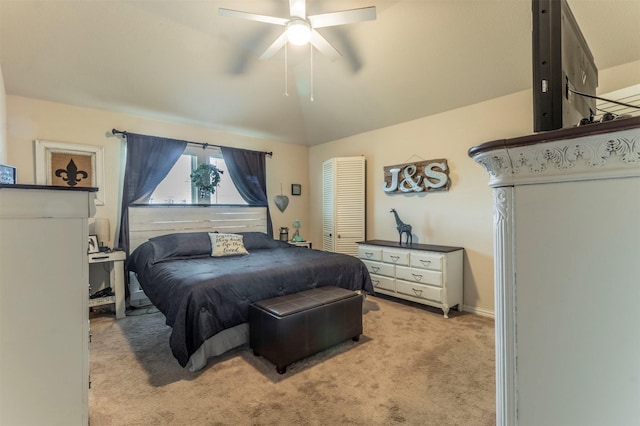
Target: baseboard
(478,311)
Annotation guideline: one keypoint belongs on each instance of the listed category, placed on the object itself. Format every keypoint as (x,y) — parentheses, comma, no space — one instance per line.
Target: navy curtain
(149,160)
(248,171)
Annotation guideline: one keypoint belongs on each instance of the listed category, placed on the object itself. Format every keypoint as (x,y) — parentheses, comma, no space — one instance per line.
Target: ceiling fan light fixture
(298,32)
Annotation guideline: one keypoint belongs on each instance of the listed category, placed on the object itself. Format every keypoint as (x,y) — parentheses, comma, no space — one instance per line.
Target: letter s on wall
(440,178)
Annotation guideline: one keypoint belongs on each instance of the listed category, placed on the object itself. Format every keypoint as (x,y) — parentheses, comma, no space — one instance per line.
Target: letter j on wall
(424,176)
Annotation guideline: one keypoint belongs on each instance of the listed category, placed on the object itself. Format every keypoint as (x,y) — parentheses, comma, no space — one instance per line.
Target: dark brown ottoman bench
(288,328)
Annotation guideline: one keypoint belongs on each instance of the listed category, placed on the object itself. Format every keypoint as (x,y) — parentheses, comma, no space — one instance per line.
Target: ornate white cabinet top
(602,150)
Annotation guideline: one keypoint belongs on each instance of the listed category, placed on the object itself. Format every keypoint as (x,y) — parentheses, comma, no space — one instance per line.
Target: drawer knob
(417,277)
(368,253)
(425,262)
(375,283)
(375,268)
(417,291)
(394,258)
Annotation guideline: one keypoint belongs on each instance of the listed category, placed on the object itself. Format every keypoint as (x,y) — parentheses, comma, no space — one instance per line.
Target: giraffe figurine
(403,228)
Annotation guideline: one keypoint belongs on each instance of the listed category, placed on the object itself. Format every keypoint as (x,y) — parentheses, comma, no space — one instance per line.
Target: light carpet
(411,366)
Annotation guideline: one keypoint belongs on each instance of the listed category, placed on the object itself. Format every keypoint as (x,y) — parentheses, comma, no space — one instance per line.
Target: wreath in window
(206,177)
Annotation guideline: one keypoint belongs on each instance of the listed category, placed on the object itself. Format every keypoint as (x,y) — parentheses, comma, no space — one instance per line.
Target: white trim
(43,150)
(478,311)
(505,307)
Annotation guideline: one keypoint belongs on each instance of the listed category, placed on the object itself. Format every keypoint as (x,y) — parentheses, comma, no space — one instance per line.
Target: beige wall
(31,119)
(464,215)
(460,217)
(619,77)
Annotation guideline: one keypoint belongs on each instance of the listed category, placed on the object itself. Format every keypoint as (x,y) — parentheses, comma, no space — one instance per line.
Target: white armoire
(343,204)
(567,274)
(44,314)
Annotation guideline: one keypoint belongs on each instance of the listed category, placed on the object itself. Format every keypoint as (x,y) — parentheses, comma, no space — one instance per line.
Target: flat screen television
(562,65)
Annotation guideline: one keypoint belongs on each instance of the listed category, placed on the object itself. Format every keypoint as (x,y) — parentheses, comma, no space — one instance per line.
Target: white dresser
(422,273)
(44,320)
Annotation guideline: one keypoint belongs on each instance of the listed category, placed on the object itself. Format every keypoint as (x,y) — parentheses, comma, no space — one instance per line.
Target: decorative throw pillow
(260,240)
(180,246)
(226,245)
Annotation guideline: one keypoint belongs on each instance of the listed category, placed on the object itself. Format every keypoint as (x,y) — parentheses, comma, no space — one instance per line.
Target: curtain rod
(204,145)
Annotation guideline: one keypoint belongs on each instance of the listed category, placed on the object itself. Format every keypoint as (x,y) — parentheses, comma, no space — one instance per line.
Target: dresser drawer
(423,276)
(426,261)
(369,252)
(384,283)
(418,290)
(380,268)
(396,257)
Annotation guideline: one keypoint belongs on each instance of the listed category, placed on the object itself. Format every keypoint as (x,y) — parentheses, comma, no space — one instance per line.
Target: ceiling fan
(301,29)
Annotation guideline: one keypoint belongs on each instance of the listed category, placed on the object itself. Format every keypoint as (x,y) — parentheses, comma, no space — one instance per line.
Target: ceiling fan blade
(324,46)
(252,16)
(298,8)
(275,46)
(343,17)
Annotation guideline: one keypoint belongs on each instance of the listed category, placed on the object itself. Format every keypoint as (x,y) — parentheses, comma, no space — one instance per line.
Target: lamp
(298,32)
(101,227)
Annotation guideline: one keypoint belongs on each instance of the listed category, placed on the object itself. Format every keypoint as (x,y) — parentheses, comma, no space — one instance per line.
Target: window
(176,188)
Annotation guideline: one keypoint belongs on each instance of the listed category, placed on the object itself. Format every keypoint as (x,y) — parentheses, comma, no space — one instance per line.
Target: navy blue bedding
(203,295)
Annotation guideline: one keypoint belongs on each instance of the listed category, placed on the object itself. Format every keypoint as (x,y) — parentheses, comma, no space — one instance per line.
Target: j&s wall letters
(423,176)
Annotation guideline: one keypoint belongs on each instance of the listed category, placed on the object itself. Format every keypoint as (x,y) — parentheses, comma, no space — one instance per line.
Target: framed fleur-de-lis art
(72,165)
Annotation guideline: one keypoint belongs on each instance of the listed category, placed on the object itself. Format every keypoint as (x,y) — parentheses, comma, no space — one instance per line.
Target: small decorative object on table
(403,228)
(93,244)
(284,234)
(296,235)
(7,174)
(101,228)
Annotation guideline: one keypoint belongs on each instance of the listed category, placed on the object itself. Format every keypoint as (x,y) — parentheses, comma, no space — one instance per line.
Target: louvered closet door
(344,204)
(349,204)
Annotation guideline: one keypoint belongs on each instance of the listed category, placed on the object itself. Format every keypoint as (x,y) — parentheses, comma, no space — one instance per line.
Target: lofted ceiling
(178,60)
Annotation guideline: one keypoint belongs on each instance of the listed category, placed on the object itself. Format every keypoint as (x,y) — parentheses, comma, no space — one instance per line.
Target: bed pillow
(260,240)
(226,245)
(180,246)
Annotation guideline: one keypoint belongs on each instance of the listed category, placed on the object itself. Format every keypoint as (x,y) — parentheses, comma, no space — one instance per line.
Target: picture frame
(7,174)
(296,189)
(67,164)
(93,244)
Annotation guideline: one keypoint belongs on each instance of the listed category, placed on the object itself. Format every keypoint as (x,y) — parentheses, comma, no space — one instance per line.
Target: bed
(205,298)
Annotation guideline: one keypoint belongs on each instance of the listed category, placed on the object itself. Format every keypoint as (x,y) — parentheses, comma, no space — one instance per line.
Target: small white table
(116,280)
(306,244)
